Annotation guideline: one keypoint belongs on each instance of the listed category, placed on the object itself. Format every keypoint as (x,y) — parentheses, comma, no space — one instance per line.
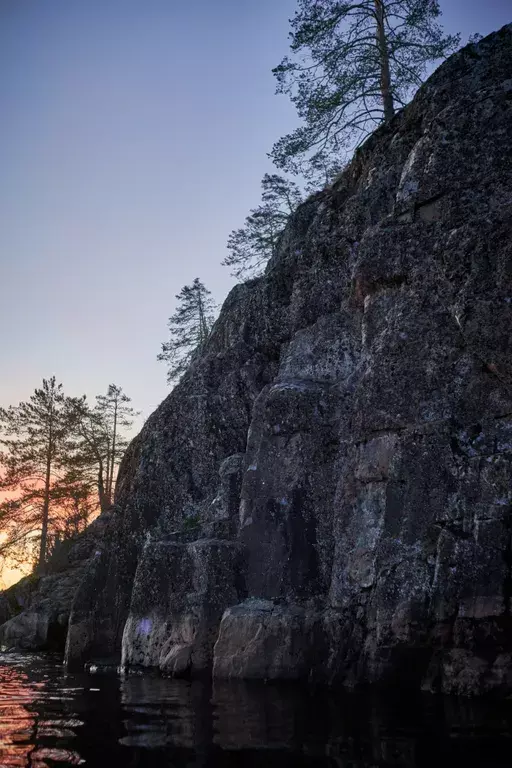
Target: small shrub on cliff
(190,523)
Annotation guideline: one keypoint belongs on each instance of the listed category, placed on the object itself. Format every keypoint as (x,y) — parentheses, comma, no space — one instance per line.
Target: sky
(133,138)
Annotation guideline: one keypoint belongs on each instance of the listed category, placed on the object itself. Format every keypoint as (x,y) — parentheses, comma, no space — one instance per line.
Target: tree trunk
(102,496)
(273,240)
(46,505)
(107,473)
(112,458)
(385,75)
(202,322)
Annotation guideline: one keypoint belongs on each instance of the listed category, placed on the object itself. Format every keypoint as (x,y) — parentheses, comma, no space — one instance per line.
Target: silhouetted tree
(251,246)
(33,436)
(74,505)
(58,464)
(189,328)
(115,415)
(97,440)
(353,62)
(320,171)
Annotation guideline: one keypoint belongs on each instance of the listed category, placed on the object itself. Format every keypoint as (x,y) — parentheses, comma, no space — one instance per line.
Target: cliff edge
(327,493)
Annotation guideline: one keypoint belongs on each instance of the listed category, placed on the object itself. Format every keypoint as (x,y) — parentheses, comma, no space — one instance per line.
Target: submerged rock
(363,390)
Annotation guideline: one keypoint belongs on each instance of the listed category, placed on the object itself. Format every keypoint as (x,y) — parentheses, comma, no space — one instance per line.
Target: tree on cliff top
(33,436)
(189,329)
(353,63)
(251,246)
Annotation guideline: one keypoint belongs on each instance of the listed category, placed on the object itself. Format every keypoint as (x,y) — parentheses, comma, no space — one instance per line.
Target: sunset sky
(133,139)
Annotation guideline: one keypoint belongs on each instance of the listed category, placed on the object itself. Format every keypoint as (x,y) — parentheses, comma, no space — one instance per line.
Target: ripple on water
(27,737)
(49,719)
(39,756)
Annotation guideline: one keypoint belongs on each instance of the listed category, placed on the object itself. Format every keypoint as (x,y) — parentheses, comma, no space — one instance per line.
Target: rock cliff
(34,613)
(327,493)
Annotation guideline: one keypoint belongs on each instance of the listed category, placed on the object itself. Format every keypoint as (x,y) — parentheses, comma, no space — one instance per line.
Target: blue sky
(132,141)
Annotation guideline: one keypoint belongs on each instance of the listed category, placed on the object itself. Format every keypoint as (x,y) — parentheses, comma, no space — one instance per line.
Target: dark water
(48,718)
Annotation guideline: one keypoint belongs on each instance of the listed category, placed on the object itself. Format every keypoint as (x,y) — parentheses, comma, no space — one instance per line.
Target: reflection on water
(29,734)
(48,718)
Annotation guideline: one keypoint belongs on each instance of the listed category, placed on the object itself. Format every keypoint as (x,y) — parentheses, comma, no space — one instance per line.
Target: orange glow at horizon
(8,574)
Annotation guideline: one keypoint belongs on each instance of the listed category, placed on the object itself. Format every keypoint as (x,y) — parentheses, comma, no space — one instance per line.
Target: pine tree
(251,246)
(33,436)
(115,417)
(320,171)
(353,63)
(88,448)
(281,194)
(74,505)
(58,463)
(97,441)
(189,329)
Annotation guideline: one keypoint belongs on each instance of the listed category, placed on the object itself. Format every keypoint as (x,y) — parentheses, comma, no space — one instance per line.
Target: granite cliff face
(327,493)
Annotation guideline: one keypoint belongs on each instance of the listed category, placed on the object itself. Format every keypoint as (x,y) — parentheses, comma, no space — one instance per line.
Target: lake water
(49,718)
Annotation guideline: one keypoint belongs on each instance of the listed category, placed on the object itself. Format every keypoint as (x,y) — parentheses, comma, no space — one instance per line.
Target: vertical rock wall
(357,401)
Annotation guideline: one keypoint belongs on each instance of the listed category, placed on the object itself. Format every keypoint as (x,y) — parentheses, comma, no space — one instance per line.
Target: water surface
(49,718)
